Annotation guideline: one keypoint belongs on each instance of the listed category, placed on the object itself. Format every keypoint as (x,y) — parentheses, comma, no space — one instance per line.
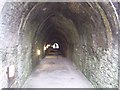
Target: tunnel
(86,32)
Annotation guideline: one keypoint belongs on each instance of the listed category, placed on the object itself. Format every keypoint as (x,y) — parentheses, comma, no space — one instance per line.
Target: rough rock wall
(96,53)
(16,44)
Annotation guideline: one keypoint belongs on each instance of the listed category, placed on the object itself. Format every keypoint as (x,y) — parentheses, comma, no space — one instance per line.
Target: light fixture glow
(45,48)
(38,52)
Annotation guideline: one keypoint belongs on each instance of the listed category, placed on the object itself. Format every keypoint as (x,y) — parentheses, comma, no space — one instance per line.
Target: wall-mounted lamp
(38,52)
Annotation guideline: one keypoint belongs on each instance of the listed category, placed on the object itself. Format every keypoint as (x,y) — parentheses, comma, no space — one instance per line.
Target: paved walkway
(56,72)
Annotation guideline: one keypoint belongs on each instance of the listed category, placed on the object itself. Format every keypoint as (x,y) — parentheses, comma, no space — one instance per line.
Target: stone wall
(118,10)
(96,54)
(16,44)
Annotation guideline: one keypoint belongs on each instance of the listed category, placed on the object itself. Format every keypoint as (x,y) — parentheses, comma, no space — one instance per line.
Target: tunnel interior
(86,33)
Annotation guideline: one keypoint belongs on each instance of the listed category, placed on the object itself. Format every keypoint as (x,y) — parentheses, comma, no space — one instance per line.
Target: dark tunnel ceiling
(66,20)
(58,14)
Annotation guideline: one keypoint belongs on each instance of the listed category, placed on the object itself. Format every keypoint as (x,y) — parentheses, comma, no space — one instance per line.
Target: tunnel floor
(56,72)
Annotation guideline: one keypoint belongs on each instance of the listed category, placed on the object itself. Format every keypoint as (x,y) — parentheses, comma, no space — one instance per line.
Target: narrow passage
(56,72)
